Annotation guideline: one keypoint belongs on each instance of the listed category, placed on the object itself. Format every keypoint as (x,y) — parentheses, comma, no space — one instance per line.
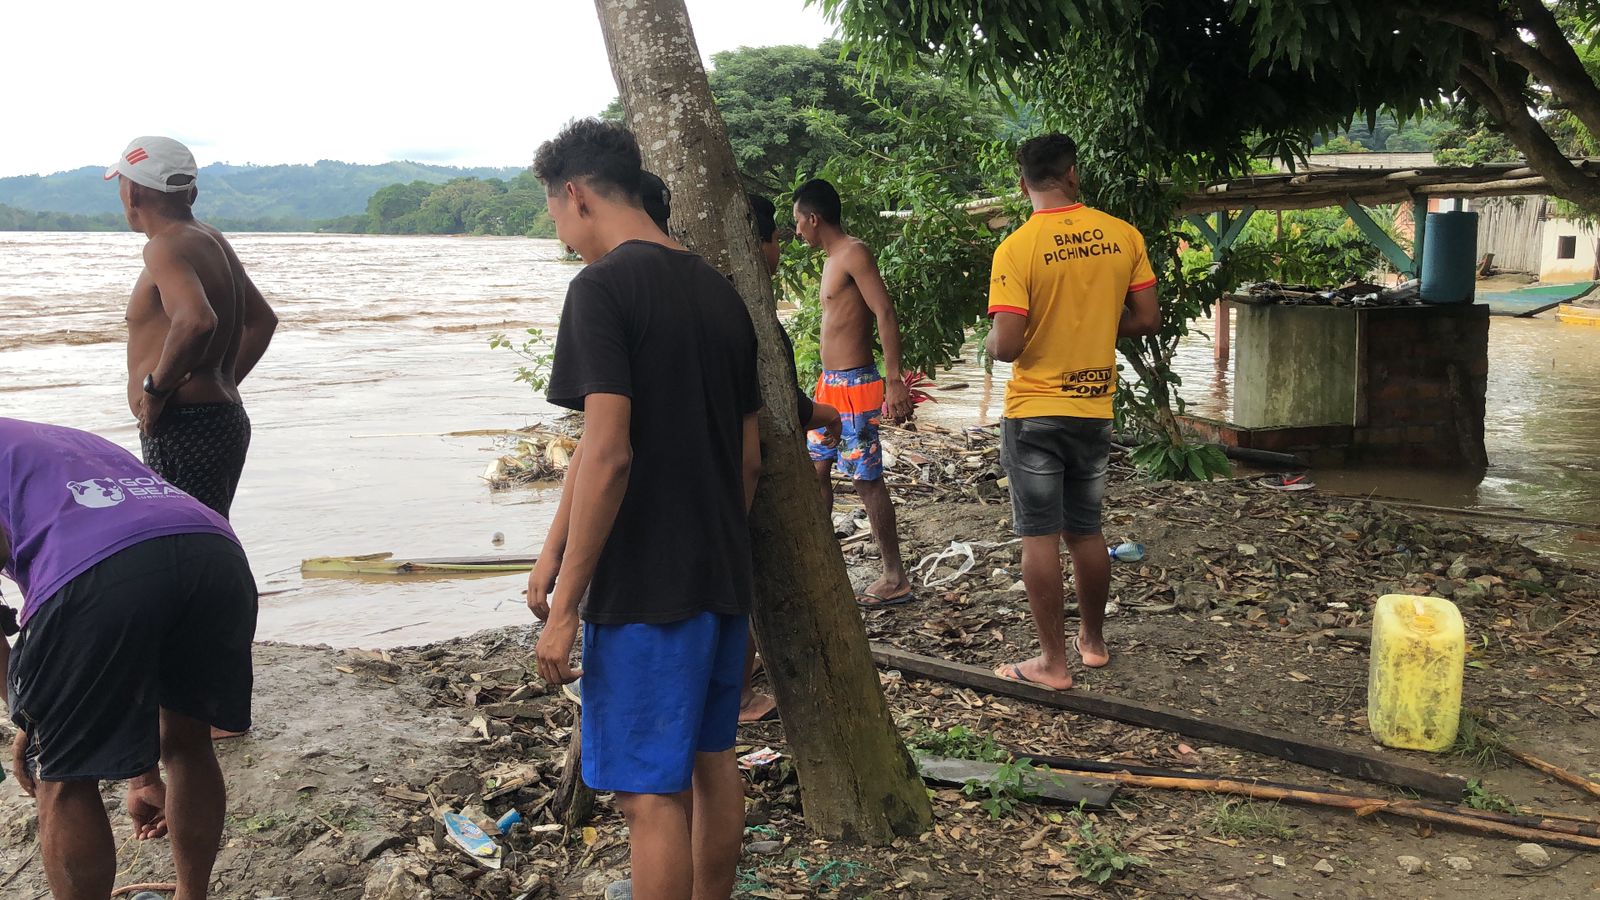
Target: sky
(465,82)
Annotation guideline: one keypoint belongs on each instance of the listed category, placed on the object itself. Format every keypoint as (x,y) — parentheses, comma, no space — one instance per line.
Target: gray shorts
(1057,468)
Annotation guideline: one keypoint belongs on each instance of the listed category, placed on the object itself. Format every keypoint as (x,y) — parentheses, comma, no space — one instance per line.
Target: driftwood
(1305,751)
(1466,820)
(573,802)
(1554,771)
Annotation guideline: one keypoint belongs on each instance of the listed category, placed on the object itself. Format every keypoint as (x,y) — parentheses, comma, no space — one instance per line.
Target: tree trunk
(857,780)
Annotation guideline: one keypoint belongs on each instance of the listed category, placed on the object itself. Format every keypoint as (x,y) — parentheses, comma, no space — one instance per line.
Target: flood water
(383,350)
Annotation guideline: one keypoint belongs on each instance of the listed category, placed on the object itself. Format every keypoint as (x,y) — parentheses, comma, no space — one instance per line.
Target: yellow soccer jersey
(1069,271)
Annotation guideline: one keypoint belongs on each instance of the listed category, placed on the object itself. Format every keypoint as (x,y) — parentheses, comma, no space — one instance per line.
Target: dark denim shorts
(1057,469)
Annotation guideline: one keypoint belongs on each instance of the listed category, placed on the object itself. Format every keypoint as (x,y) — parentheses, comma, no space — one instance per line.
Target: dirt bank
(1251,605)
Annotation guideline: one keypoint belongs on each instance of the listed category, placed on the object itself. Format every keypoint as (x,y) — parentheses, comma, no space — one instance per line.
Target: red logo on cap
(137,155)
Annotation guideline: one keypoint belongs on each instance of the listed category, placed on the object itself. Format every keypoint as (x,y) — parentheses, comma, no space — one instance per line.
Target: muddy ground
(1251,605)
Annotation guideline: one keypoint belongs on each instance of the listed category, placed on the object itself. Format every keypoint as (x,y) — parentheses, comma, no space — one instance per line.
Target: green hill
(288,195)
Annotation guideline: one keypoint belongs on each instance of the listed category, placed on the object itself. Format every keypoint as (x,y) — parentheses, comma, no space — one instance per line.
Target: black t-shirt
(663,328)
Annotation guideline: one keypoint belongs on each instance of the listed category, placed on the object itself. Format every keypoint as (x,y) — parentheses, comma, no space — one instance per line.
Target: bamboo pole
(1361,806)
(1554,771)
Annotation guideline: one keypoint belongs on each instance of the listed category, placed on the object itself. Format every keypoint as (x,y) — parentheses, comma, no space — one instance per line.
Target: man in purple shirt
(137,618)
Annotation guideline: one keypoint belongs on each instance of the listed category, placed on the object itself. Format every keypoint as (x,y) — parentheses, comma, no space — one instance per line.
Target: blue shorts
(655,695)
(858,395)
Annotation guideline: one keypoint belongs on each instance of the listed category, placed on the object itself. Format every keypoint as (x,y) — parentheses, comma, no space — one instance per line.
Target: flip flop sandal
(1017,676)
(1290,483)
(879,602)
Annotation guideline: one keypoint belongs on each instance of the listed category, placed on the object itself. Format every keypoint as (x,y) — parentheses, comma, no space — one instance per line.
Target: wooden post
(856,779)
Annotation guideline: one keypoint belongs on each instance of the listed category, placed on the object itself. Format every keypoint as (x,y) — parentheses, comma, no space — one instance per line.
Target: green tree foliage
(296,195)
(13,219)
(461,206)
(790,109)
(933,255)
(1225,77)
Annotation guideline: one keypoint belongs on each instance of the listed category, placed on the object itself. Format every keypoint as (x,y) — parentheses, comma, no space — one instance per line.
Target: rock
(1533,575)
(758,813)
(1458,570)
(373,843)
(445,886)
(596,884)
(1323,866)
(391,879)
(459,783)
(335,874)
(1532,856)
(1411,865)
(496,884)
(765,848)
(1020,587)
(619,890)
(1458,863)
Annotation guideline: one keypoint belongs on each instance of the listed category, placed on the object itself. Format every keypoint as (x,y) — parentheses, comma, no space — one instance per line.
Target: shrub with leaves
(537,354)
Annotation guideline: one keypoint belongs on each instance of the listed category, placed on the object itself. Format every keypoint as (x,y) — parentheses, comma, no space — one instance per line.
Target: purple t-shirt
(69,499)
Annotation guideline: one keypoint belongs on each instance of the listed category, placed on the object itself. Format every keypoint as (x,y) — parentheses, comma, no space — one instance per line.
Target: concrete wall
(1294,366)
(1399,386)
(1581,267)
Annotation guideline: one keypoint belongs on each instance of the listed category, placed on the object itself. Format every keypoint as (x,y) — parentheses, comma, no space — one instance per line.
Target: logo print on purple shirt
(96,493)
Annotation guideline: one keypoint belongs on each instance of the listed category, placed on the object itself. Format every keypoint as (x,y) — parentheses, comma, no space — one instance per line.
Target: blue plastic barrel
(1450,257)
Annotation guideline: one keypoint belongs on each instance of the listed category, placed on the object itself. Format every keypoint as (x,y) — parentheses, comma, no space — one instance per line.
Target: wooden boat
(386,564)
(1578,315)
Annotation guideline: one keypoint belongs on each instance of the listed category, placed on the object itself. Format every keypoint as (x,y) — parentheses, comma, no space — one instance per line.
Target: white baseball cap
(154,162)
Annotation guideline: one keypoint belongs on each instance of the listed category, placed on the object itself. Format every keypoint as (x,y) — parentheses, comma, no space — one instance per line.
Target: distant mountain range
(289,194)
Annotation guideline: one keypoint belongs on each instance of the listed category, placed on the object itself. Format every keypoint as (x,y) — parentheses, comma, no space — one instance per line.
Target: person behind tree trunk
(1064,287)
(650,545)
(138,612)
(854,298)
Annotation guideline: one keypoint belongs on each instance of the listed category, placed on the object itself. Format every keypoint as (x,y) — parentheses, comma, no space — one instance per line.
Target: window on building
(1567,246)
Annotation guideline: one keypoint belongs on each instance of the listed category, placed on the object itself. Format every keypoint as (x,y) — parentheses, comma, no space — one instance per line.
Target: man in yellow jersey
(1065,286)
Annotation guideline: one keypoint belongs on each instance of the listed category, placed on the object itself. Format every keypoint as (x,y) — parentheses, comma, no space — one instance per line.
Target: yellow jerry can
(1414,687)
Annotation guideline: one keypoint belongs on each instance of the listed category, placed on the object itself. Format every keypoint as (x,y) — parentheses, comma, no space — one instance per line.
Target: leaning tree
(857,781)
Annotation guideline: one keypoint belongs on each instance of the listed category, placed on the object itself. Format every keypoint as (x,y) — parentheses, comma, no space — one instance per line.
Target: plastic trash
(1126,551)
(1414,684)
(460,831)
(511,818)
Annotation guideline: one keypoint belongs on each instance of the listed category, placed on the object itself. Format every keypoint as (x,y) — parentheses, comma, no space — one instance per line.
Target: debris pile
(1354,295)
(539,453)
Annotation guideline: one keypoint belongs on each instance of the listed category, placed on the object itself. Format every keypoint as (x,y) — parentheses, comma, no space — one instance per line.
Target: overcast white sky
(463,82)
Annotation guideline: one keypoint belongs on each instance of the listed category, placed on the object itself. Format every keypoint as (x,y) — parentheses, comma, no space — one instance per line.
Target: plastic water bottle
(1126,552)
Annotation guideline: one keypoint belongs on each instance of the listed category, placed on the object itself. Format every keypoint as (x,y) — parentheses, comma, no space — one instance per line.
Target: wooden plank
(1302,750)
(1063,789)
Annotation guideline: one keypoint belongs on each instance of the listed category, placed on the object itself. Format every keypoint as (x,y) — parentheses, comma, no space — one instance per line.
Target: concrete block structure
(1394,385)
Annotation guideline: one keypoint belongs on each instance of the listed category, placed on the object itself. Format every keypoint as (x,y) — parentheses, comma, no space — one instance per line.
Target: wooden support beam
(1379,238)
(1303,750)
(1204,227)
(1236,227)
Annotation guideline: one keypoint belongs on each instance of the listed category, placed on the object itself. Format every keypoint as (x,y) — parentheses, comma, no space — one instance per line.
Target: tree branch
(1510,112)
(1552,61)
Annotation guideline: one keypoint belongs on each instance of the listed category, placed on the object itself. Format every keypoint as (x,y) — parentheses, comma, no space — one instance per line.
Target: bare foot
(757,707)
(217,734)
(1034,672)
(1094,652)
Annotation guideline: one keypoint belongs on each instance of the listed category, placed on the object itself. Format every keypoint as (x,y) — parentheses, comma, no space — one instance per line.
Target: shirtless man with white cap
(197,326)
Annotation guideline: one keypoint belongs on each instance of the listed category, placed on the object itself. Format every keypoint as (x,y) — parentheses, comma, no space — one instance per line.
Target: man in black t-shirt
(652,535)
